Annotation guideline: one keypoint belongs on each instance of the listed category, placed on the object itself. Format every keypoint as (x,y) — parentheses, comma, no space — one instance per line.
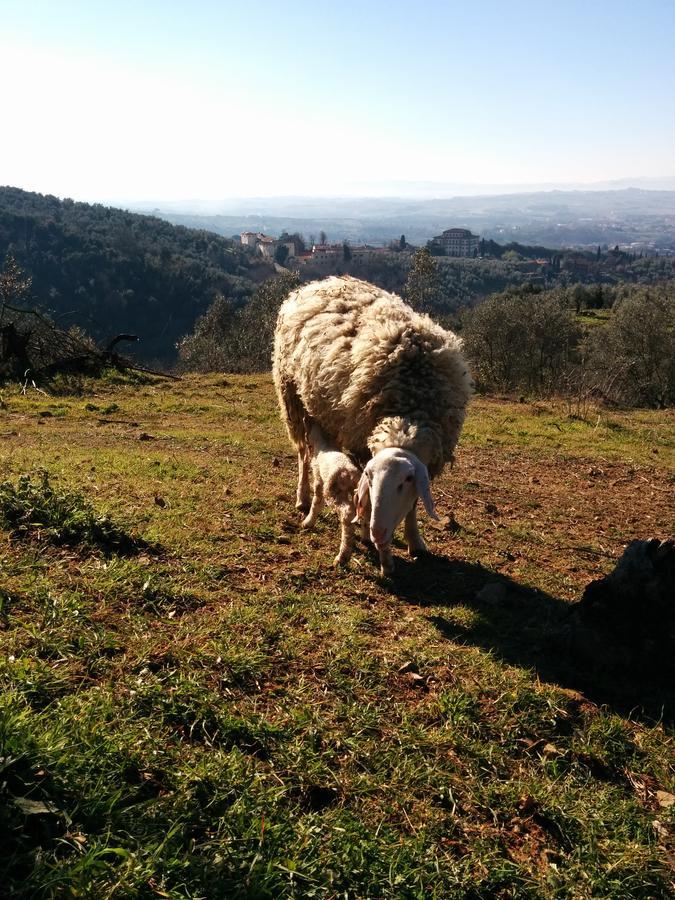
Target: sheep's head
(390,485)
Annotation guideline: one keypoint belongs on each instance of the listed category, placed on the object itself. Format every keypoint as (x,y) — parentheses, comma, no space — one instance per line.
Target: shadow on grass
(529,628)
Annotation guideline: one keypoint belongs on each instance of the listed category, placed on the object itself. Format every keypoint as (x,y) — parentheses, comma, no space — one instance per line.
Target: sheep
(381,381)
(334,480)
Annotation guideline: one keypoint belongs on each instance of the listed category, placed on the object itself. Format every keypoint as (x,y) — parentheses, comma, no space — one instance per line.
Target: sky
(132,101)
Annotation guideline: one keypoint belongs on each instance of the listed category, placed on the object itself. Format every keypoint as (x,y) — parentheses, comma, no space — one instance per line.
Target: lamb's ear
(424,489)
(362,492)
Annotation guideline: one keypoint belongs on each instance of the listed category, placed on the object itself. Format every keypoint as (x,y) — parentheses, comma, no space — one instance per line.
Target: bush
(521,340)
(227,339)
(35,509)
(635,351)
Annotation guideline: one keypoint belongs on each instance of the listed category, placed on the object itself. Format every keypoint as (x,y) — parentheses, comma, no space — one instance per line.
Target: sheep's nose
(378,535)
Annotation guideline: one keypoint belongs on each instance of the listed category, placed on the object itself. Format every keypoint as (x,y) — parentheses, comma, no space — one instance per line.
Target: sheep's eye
(399,488)
(409,478)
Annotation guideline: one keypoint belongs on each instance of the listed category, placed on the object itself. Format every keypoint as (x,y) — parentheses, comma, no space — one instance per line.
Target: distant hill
(553,218)
(111,271)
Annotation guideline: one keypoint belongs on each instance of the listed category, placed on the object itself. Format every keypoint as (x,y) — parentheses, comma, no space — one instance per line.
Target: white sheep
(334,480)
(380,380)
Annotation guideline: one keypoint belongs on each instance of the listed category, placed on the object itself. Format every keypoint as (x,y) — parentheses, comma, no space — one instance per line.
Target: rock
(627,618)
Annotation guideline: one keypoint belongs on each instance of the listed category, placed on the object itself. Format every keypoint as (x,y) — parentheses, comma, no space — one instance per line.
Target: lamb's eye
(409,478)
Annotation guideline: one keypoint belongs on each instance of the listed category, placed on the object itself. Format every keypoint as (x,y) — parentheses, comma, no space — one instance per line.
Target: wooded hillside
(108,270)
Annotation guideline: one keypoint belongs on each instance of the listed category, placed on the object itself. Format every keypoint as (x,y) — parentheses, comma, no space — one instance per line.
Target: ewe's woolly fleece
(370,371)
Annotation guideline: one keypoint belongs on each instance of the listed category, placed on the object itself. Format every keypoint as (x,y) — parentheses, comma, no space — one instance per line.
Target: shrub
(635,352)
(521,340)
(227,339)
(36,509)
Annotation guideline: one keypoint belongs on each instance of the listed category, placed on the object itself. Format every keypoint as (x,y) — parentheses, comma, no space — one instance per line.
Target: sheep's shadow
(529,628)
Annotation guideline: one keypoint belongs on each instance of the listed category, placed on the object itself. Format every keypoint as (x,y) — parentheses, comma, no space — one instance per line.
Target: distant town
(458,242)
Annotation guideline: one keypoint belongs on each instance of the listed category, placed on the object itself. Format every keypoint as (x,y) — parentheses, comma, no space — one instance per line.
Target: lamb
(334,480)
(381,381)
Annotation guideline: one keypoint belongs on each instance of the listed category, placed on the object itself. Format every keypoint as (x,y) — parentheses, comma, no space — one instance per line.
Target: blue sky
(167,100)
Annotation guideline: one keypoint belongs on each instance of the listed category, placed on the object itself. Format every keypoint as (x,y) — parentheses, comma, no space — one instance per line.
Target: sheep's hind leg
(302,499)
(413,538)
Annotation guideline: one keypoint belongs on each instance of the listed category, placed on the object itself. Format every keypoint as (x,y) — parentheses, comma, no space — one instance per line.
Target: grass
(222,714)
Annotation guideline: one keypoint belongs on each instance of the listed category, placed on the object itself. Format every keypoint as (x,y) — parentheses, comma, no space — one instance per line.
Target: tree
(511,256)
(226,339)
(346,252)
(521,340)
(281,254)
(637,348)
(423,286)
(14,284)
(402,243)
(323,237)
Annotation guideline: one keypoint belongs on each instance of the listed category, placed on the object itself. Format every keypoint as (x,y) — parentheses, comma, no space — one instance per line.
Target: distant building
(265,245)
(458,242)
(328,256)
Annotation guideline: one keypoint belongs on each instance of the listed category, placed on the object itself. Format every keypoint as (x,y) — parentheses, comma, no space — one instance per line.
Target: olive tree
(635,351)
(226,339)
(521,340)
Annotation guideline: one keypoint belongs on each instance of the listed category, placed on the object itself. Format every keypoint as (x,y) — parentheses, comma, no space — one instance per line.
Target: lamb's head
(390,485)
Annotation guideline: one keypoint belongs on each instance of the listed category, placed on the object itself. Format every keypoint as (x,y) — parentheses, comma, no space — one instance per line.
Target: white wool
(334,480)
(372,373)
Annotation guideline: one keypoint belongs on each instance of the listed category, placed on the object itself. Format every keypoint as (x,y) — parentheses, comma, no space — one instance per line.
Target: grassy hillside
(193,702)
(111,271)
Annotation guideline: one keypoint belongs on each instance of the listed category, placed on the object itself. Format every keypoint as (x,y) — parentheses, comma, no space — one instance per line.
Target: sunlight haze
(170,101)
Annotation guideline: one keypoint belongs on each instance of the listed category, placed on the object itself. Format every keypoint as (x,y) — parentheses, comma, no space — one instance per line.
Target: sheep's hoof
(341,559)
(302,507)
(418,552)
(306,524)
(388,570)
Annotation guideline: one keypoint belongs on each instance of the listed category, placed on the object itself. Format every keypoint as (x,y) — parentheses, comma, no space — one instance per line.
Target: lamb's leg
(302,501)
(347,536)
(316,507)
(386,560)
(413,538)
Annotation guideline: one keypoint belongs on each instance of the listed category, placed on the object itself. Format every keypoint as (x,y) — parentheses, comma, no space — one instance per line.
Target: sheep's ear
(424,489)
(362,492)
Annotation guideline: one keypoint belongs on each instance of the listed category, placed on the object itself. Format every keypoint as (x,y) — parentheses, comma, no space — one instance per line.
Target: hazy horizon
(412,191)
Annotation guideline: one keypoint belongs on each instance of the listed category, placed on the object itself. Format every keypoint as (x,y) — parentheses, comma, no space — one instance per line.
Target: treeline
(107,270)
(525,339)
(463,282)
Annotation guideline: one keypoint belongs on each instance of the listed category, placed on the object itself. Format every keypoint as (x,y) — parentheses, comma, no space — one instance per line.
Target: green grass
(222,714)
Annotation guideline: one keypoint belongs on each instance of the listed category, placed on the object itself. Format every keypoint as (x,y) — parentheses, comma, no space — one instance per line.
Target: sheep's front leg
(347,537)
(386,560)
(316,507)
(365,521)
(413,538)
(302,495)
